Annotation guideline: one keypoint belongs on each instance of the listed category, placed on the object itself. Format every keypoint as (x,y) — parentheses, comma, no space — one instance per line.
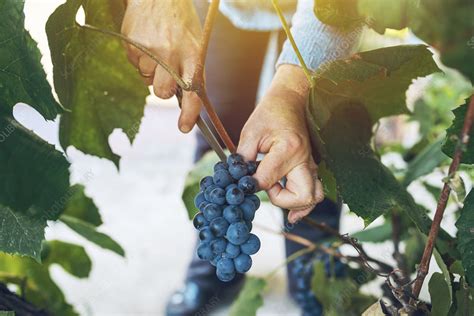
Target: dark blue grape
(199,199)
(221,166)
(249,225)
(237,233)
(233,158)
(234,196)
(231,251)
(255,200)
(206,182)
(237,170)
(216,259)
(251,246)
(217,196)
(248,209)
(199,221)
(222,178)
(231,186)
(218,245)
(251,167)
(224,277)
(203,205)
(226,266)
(219,226)
(205,234)
(242,263)
(208,191)
(204,251)
(212,211)
(248,184)
(233,214)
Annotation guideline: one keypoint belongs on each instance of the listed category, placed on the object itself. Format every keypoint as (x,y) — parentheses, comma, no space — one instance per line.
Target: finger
(299,191)
(297,214)
(146,68)
(133,54)
(272,168)
(190,110)
(164,85)
(248,145)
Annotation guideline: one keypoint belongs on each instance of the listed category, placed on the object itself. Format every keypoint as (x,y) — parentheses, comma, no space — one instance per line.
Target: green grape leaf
(453,134)
(250,298)
(377,79)
(22,78)
(339,13)
(72,258)
(440,294)
(40,288)
(89,232)
(425,162)
(34,188)
(348,98)
(203,168)
(93,77)
(375,234)
(338,296)
(463,299)
(7,313)
(80,206)
(448,26)
(465,225)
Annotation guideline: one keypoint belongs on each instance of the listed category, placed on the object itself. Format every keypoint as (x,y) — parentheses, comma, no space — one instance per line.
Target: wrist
(290,84)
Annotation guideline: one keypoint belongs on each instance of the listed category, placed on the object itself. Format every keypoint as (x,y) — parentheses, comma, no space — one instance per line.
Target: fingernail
(185,128)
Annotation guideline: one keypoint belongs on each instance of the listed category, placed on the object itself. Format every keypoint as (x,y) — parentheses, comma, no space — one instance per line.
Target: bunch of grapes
(227,206)
(302,270)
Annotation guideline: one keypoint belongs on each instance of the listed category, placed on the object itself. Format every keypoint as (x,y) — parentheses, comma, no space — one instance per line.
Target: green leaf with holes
(93,77)
(34,188)
(22,78)
(82,207)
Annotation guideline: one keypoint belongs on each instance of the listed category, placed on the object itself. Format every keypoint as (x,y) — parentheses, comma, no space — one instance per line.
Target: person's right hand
(171,30)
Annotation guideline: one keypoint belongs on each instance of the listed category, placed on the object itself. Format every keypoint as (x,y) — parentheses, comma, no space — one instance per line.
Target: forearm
(317,42)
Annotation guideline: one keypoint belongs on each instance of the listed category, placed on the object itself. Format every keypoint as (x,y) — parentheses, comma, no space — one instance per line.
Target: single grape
(242,263)
(248,209)
(205,234)
(237,170)
(216,259)
(251,246)
(231,186)
(233,214)
(237,233)
(249,225)
(248,184)
(203,205)
(255,200)
(218,246)
(231,251)
(234,196)
(251,167)
(221,166)
(226,266)
(208,191)
(217,196)
(199,199)
(222,178)
(233,158)
(212,211)
(206,182)
(204,251)
(224,277)
(199,221)
(219,226)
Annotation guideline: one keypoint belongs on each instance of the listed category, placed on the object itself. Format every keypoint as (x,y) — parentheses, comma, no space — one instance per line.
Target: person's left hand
(278,128)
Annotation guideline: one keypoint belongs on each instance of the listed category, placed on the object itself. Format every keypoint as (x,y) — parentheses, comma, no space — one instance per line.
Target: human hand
(170,30)
(277,128)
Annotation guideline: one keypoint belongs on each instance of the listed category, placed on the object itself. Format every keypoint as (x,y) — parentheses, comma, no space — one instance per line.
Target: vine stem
(307,72)
(197,84)
(443,201)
